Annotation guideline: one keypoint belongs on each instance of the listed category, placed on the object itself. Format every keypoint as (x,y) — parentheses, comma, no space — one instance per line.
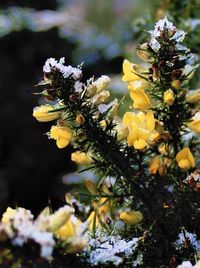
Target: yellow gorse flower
(169,97)
(43,113)
(62,135)
(140,126)
(81,158)
(159,164)
(136,86)
(131,217)
(129,70)
(59,218)
(70,228)
(141,100)
(185,159)
(195,124)
(72,233)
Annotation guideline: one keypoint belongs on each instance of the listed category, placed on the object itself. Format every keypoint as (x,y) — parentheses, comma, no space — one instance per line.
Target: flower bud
(122,133)
(81,158)
(90,186)
(105,189)
(131,217)
(142,54)
(45,113)
(91,90)
(113,111)
(102,97)
(80,119)
(176,84)
(59,218)
(102,83)
(169,97)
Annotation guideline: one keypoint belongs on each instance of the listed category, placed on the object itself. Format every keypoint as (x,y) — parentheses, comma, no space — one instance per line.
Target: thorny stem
(109,150)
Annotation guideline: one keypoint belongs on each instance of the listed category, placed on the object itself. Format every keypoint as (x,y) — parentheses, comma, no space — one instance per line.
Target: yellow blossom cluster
(140,126)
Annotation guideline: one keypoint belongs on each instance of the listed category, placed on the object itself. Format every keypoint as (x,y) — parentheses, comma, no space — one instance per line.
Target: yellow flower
(70,229)
(141,100)
(169,97)
(62,135)
(43,113)
(131,217)
(193,96)
(159,164)
(129,70)
(8,215)
(140,128)
(185,159)
(81,158)
(59,218)
(138,84)
(72,233)
(195,124)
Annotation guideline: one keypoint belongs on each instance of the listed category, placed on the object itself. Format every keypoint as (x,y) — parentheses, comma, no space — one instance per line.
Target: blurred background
(100,33)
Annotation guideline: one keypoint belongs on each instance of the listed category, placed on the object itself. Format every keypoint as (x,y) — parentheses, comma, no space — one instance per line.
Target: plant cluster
(144,209)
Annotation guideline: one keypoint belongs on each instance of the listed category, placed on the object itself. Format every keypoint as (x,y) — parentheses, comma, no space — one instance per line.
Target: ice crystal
(178,36)
(21,228)
(189,236)
(66,71)
(188,264)
(185,264)
(161,25)
(166,25)
(78,86)
(105,249)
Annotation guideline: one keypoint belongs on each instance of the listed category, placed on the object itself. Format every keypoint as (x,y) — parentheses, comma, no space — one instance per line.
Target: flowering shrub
(144,210)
